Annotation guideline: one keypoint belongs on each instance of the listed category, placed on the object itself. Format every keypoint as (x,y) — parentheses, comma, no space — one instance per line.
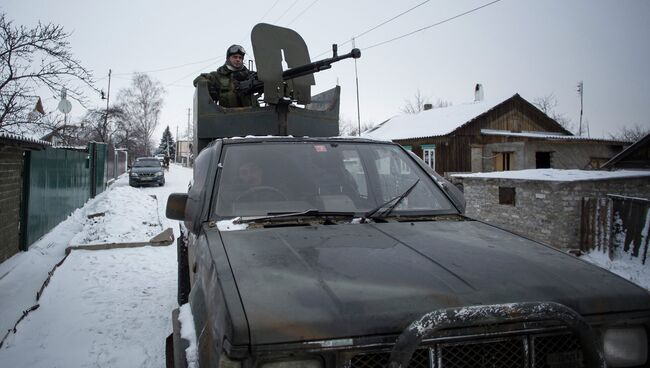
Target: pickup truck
(349,252)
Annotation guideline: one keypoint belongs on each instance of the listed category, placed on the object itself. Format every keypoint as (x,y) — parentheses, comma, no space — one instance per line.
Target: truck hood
(331,281)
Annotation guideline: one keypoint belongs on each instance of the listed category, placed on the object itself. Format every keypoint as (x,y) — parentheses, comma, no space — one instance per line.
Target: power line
(285,12)
(268,11)
(432,25)
(187,75)
(171,67)
(302,12)
(377,26)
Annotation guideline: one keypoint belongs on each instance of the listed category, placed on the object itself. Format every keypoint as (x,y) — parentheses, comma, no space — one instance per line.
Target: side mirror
(176,206)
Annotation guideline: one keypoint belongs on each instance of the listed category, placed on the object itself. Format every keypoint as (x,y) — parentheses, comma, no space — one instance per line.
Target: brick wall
(549,212)
(11,183)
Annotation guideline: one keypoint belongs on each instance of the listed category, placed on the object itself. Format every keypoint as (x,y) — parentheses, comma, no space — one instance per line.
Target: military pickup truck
(348,252)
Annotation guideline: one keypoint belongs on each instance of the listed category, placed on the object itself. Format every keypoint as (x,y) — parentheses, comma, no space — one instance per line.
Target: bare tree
(30,59)
(141,104)
(351,128)
(416,105)
(99,127)
(631,134)
(548,105)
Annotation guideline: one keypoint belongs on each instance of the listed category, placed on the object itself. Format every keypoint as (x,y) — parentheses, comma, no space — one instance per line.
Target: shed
(551,206)
(636,156)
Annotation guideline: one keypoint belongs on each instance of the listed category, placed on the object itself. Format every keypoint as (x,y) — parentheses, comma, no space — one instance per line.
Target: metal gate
(616,222)
(57,181)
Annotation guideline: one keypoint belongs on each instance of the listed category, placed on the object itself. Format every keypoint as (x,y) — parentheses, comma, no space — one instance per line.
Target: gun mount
(283,91)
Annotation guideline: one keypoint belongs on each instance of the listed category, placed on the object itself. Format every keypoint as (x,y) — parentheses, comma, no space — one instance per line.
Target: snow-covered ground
(623,265)
(108,308)
(112,308)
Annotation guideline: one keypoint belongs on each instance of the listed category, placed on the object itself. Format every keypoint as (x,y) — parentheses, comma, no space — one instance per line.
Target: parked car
(160,157)
(332,252)
(146,171)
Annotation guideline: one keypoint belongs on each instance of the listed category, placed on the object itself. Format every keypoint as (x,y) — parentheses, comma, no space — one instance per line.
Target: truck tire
(183,270)
(175,345)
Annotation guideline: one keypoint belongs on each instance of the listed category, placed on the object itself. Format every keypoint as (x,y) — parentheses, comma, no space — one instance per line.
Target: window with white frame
(429,155)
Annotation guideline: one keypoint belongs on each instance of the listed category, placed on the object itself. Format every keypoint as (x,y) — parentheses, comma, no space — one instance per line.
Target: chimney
(428,106)
(478,92)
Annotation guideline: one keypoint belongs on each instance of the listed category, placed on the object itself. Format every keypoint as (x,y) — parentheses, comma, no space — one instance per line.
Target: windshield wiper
(307,213)
(371,214)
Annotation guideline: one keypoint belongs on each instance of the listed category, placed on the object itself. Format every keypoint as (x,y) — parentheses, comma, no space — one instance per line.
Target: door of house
(503,161)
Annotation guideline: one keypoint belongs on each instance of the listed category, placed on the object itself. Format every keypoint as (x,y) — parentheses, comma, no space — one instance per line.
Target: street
(107,308)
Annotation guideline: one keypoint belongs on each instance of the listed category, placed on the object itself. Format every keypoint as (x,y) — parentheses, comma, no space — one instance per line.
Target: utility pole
(108,96)
(356,78)
(189,134)
(581,92)
(177,145)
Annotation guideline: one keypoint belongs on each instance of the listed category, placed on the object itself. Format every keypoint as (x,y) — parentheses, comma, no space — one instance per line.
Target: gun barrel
(253,85)
(319,65)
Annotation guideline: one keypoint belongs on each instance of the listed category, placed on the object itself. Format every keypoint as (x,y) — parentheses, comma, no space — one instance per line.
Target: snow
(558,175)
(101,308)
(231,225)
(624,265)
(429,123)
(545,135)
(112,308)
(189,333)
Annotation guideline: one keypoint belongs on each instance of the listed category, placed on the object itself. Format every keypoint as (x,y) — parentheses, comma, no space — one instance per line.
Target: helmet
(235,49)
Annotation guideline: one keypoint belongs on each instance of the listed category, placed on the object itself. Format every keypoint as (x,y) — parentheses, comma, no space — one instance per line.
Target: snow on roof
(545,135)
(20,138)
(558,175)
(430,123)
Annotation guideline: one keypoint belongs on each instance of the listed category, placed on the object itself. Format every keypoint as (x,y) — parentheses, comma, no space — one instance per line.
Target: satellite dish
(65,106)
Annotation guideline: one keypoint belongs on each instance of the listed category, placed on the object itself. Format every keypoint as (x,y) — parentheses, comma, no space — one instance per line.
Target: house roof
(558,175)
(627,151)
(19,139)
(431,123)
(547,135)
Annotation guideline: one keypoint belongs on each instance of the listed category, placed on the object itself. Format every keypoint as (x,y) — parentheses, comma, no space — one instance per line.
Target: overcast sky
(531,47)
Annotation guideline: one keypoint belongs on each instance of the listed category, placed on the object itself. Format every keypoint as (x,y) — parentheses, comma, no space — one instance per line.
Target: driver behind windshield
(250,174)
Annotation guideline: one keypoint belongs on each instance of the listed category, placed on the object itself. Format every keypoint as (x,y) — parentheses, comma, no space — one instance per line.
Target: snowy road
(108,308)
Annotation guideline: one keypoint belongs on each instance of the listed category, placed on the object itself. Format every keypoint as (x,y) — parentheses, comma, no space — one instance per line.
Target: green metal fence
(58,181)
(98,160)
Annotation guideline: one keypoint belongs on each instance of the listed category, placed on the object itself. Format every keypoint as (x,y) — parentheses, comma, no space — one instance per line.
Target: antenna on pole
(356,78)
(581,92)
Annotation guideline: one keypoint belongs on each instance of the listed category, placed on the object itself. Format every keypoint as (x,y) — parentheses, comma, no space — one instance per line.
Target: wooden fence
(616,222)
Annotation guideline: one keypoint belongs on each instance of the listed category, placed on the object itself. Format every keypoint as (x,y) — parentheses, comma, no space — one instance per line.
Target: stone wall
(11,184)
(564,155)
(546,211)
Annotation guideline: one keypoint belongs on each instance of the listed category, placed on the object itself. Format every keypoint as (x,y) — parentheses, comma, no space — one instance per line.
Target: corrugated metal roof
(20,138)
(544,135)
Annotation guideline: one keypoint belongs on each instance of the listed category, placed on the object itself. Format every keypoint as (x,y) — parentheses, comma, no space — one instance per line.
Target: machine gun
(289,107)
(253,85)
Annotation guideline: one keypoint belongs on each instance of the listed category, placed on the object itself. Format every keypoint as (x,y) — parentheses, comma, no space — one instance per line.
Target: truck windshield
(259,179)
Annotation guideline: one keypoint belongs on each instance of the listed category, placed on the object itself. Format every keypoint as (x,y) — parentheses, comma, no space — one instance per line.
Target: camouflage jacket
(221,85)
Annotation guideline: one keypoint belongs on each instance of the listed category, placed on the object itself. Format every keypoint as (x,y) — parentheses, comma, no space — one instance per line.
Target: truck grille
(535,351)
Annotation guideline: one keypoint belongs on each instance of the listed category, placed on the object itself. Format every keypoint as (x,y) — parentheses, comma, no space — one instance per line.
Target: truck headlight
(307,363)
(134,175)
(625,346)
(159,173)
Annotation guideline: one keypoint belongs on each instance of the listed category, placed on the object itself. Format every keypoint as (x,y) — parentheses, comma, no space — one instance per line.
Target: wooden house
(636,156)
(496,135)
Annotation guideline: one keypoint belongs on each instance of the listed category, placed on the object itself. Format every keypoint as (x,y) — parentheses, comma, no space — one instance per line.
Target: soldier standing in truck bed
(222,82)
